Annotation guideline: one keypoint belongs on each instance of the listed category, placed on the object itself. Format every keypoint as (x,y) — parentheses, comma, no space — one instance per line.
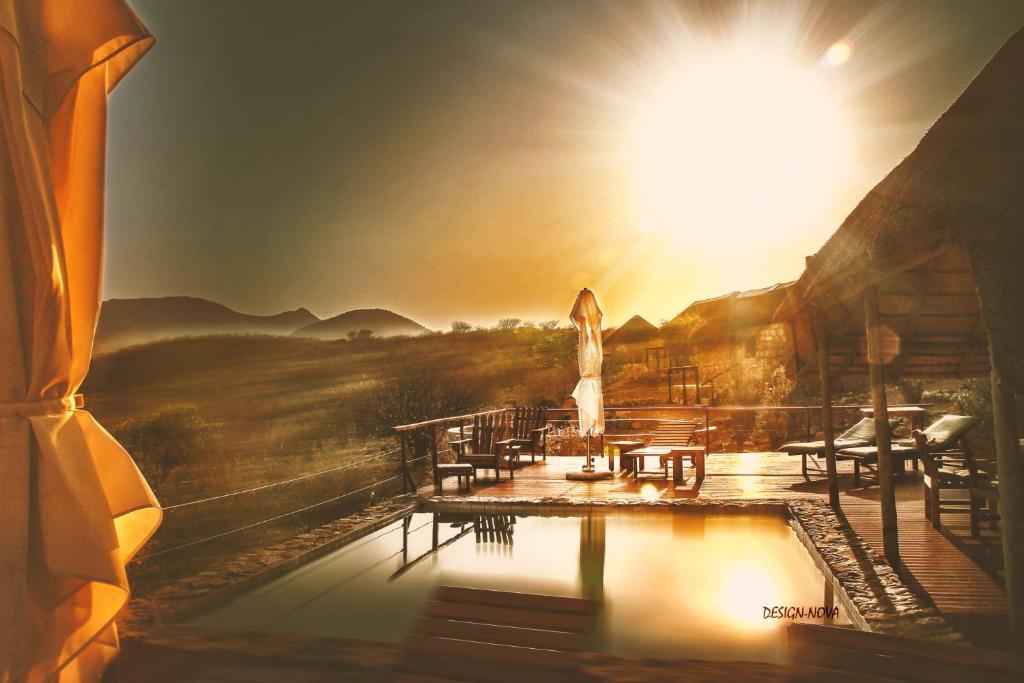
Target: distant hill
(381,322)
(126,322)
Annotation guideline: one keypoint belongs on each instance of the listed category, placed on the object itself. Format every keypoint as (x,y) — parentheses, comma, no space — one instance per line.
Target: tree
(415,396)
(508,324)
(360,335)
(460,327)
(548,325)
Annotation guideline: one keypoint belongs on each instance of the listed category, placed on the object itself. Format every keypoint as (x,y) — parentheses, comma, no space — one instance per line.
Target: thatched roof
(633,331)
(737,315)
(942,236)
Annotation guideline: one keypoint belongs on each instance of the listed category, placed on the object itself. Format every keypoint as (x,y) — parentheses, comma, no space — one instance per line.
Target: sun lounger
(942,436)
(860,434)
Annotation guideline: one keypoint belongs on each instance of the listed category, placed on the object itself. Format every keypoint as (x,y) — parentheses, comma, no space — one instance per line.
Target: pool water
(683,584)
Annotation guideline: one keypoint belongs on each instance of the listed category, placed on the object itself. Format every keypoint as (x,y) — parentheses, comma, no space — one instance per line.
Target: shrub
(975,398)
(418,395)
(165,441)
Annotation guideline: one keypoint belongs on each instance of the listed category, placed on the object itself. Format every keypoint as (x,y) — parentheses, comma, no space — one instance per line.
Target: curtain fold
(73,506)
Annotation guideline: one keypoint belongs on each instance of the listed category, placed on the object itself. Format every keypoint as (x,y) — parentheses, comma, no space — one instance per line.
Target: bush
(975,398)
(419,395)
(165,441)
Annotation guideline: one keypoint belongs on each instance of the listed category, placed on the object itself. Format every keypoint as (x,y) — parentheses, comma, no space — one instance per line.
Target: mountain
(381,322)
(126,322)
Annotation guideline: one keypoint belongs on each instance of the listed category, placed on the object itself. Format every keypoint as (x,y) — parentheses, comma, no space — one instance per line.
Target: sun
(738,145)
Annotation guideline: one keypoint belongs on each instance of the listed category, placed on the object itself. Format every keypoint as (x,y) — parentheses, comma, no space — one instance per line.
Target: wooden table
(624,446)
(914,415)
(675,453)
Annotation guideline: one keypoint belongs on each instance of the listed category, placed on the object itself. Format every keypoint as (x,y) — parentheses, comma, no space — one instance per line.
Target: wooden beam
(890,531)
(1011,500)
(821,337)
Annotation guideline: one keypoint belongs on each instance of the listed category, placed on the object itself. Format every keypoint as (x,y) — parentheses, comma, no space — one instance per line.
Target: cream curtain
(73,506)
(586,316)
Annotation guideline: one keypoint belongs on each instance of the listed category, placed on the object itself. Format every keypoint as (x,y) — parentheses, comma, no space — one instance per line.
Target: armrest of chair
(460,446)
(539,430)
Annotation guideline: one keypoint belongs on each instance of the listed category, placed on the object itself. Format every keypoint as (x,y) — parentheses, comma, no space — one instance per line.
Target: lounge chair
(860,434)
(488,447)
(942,436)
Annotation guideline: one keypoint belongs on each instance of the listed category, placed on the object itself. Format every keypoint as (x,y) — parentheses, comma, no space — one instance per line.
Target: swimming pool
(681,584)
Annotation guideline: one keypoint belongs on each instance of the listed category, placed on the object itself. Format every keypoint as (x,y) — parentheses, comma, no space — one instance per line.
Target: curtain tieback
(43,406)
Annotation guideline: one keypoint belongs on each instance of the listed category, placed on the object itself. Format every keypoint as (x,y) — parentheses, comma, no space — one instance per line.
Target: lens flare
(649,492)
(838,53)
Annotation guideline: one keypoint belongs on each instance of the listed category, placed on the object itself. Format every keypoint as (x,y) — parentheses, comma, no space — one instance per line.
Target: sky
(476,160)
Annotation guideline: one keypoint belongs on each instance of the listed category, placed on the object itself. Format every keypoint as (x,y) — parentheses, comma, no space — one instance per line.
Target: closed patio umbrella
(586,317)
(73,506)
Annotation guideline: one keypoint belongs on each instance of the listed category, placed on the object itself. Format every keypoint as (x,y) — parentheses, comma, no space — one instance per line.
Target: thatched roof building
(942,237)
(928,267)
(730,317)
(636,330)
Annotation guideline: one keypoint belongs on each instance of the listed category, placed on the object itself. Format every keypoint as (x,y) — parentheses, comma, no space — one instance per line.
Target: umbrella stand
(589,472)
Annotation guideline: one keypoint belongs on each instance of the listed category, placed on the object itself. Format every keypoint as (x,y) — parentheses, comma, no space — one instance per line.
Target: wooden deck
(954,571)
(957,573)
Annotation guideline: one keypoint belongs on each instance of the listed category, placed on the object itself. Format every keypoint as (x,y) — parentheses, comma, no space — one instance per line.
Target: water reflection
(685,584)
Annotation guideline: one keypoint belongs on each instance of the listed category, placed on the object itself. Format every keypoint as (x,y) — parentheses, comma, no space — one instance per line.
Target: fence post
(433,453)
(406,480)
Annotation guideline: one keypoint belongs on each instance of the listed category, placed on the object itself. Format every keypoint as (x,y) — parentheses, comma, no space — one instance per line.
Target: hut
(733,342)
(632,339)
(923,280)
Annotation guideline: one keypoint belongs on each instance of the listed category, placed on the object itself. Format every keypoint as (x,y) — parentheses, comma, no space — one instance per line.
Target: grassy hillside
(212,415)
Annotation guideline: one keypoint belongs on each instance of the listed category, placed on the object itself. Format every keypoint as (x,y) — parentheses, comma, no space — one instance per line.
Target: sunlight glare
(739,144)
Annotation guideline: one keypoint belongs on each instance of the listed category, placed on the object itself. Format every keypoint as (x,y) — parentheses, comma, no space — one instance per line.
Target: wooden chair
(488,446)
(530,432)
(983,487)
(945,454)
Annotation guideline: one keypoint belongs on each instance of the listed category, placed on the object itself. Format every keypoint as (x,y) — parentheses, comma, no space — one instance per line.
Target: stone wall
(746,370)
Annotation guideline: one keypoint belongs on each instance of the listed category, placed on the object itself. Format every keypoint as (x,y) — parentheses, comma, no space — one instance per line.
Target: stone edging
(875,597)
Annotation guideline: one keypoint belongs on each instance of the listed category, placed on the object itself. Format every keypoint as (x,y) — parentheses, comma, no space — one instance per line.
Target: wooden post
(1011,500)
(707,430)
(890,531)
(433,453)
(405,464)
(821,337)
